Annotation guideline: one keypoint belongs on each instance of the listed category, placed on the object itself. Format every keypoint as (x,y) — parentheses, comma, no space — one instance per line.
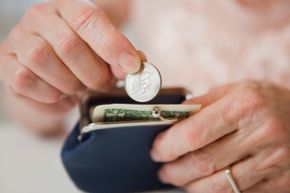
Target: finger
(91,24)
(246,174)
(37,55)
(202,128)
(56,110)
(24,82)
(70,48)
(263,187)
(212,96)
(118,72)
(278,184)
(210,159)
(47,114)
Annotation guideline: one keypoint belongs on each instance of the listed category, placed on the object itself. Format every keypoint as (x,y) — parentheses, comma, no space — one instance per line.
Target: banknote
(132,113)
(128,115)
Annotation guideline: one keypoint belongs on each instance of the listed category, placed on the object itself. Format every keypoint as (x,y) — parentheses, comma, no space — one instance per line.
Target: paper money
(113,115)
(129,112)
(128,115)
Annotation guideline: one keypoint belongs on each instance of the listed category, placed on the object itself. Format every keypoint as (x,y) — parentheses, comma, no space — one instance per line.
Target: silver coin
(144,85)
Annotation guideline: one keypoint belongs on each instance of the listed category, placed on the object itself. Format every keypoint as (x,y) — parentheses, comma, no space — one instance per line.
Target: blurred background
(10,12)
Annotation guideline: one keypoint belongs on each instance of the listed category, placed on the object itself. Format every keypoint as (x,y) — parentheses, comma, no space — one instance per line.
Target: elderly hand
(57,50)
(61,47)
(245,126)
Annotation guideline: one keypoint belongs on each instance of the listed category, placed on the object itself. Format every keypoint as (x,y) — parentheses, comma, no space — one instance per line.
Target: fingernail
(162,177)
(155,157)
(142,56)
(130,63)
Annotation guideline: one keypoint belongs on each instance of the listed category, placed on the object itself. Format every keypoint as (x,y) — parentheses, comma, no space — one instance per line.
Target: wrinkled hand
(60,48)
(245,126)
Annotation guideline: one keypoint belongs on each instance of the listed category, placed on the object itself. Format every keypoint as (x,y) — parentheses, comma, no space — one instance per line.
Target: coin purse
(115,160)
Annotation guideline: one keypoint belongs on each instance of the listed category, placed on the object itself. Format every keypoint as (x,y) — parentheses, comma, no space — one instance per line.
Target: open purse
(115,160)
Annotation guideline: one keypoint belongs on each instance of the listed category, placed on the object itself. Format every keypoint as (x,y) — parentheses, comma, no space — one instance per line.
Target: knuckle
(15,32)
(111,37)
(23,80)
(69,43)
(37,52)
(283,155)
(253,98)
(275,160)
(85,16)
(101,82)
(203,163)
(35,10)
(274,130)
(279,157)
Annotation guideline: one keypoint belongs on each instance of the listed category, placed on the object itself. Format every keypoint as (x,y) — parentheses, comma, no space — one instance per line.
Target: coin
(144,85)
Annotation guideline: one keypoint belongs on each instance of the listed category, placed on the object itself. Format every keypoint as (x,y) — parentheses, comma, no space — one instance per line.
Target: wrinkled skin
(57,50)
(245,126)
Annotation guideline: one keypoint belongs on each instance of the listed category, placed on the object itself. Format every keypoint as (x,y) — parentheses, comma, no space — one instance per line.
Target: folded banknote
(125,115)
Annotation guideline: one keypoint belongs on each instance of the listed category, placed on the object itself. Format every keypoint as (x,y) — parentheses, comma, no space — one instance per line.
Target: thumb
(119,73)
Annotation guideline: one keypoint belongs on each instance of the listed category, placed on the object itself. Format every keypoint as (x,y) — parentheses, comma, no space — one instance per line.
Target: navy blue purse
(115,160)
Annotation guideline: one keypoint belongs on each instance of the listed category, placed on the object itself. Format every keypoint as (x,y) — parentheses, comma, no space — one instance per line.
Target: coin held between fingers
(144,85)
(130,63)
